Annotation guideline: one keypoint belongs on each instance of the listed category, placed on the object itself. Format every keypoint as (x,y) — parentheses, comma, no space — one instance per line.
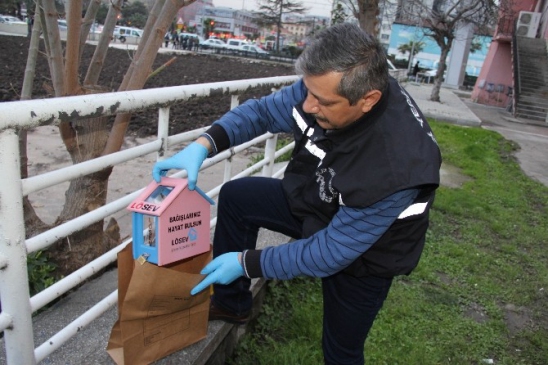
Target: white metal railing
(17,306)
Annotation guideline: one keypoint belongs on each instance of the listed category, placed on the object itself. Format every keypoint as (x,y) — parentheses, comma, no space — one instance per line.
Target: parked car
(8,19)
(234,45)
(250,50)
(95,27)
(62,23)
(214,44)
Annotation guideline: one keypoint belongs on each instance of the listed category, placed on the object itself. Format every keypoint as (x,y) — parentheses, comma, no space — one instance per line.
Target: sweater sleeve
(272,113)
(351,232)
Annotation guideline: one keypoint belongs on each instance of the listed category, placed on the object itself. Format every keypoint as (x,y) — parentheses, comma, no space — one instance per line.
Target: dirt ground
(46,153)
(185,70)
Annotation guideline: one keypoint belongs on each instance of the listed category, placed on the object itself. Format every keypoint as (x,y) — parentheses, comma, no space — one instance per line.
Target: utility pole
(381,20)
(279,26)
(411,56)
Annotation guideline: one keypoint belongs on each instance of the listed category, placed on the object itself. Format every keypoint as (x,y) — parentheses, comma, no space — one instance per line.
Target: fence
(17,306)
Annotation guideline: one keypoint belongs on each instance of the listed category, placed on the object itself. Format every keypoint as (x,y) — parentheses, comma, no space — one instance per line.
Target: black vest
(389,149)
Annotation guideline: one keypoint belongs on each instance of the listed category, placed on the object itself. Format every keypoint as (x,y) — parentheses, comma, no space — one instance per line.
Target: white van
(234,45)
(125,33)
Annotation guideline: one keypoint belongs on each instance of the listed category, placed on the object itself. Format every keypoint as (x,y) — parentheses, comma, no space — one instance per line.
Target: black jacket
(389,149)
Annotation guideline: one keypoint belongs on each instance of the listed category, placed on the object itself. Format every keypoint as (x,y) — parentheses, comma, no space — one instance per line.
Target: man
(355,195)
(416,69)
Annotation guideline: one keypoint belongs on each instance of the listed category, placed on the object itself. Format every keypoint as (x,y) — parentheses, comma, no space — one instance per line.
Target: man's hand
(222,270)
(189,159)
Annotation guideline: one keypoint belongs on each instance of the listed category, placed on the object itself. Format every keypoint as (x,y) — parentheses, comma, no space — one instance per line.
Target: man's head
(345,71)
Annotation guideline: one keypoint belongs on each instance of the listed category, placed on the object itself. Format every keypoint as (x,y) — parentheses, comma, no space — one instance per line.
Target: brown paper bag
(156,313)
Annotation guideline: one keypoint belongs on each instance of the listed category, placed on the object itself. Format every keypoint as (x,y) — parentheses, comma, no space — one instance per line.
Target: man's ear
(370,99)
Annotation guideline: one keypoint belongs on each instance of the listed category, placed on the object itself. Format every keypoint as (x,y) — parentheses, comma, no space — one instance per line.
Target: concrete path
(450,108)
(530,135)
(456,107)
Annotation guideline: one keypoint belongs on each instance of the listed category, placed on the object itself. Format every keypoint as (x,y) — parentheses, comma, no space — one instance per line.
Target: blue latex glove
(189,159)
(222,270)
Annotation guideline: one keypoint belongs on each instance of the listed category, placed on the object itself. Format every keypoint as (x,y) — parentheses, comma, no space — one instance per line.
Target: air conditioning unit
(527,24)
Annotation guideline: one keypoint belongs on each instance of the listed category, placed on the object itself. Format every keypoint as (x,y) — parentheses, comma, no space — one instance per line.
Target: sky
(317,7)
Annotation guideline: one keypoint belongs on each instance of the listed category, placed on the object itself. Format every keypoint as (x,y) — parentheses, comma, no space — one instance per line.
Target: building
(296,27)
(430,54)
(188,13)
(296,30)
(388,11)
(387,16)
(228,22)
(512,75)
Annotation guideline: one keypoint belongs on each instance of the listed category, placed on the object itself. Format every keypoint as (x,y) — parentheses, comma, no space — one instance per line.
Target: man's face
(331,110)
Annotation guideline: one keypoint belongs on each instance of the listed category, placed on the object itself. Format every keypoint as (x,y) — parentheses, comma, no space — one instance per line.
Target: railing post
(14,285)
(234,102)
(269,152)
(163,131)
(227,175)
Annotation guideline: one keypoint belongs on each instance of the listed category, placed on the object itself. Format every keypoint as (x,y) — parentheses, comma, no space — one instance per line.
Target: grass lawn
(479,293)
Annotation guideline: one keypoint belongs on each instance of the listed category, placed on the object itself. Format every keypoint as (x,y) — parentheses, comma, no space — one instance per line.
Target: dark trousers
(350,303)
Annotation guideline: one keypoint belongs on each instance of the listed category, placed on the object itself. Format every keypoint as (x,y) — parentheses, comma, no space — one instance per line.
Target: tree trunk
(141,66)
(87,22)
(82,247)
(72,51)
(98,59)
(89,139)
(438,79)
(84,195)
(368,13)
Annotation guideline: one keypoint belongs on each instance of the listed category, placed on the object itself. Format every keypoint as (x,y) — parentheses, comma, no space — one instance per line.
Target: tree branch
(153,37)
(87,22)
(98,59)
(72,53)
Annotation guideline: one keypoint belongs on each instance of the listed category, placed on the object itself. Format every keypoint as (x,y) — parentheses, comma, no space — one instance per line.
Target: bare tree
(337,14)
(88,139)
(367,13)
(441,20)
(270,14)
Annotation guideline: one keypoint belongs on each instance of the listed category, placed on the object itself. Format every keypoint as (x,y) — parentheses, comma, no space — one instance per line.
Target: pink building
(500,82)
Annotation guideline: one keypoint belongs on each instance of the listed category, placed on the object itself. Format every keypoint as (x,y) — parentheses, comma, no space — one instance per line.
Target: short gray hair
(348,49)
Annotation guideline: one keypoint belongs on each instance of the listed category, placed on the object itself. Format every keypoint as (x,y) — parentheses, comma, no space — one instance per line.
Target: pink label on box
(184,228)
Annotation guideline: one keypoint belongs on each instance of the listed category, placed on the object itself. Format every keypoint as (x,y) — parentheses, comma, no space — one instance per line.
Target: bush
(40,272)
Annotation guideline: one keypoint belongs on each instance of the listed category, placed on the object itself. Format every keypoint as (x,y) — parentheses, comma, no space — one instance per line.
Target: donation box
(170,222)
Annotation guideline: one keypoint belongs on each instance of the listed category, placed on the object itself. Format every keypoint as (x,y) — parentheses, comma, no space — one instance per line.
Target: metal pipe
(48,179)
(33,113)
(47,238)
(79,276)
(72,329)
(6,321)
(269,151)
(163,131)
(14,282)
